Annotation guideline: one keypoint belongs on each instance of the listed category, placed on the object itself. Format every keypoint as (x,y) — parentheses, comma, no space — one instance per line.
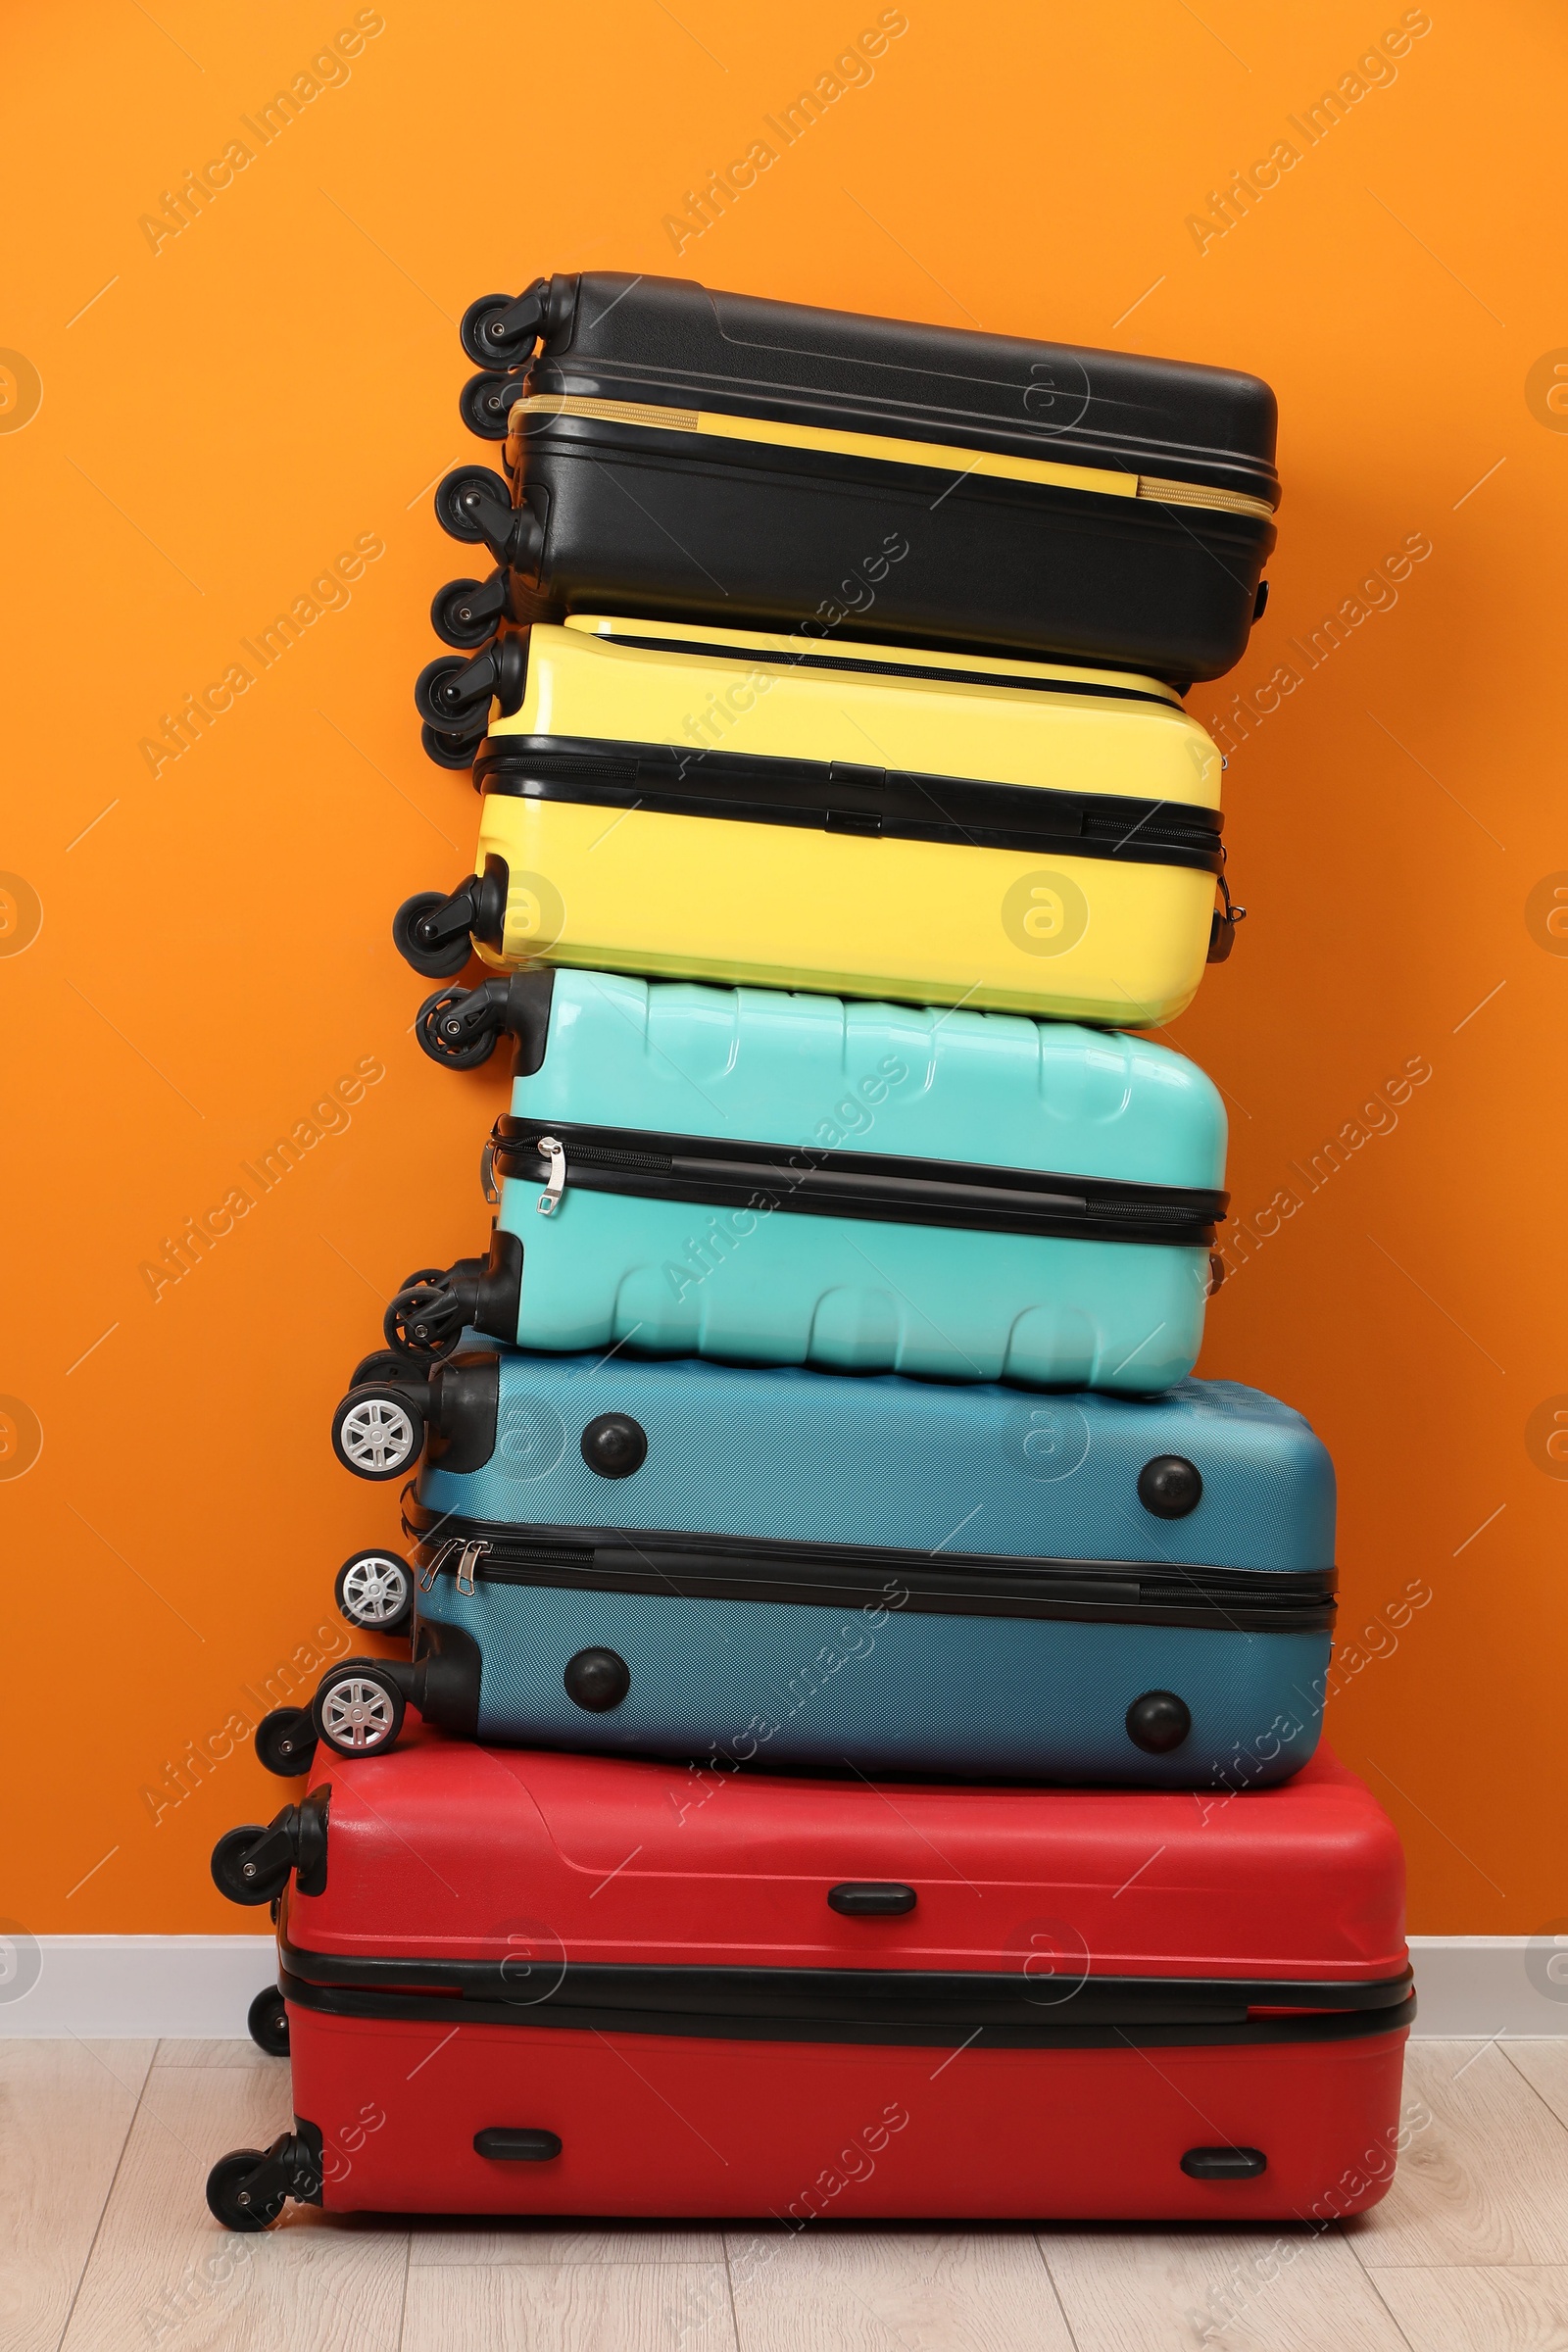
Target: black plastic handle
(1224,2163)
(871,1899)
(512,2143)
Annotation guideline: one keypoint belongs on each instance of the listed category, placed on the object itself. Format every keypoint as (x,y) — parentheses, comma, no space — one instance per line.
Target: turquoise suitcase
(801,1180)
(791,1569)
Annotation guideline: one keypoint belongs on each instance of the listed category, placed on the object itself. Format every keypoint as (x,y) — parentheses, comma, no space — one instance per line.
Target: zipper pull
(487,1173)
(428,1575)
(555,1153)
(471,1552)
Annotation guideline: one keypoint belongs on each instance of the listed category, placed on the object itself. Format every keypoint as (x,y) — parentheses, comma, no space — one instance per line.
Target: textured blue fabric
(925,1465)
(906,1465)
(655,1278)
(883,1689)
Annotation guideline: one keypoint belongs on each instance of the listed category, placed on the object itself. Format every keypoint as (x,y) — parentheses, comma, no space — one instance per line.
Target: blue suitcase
(763,1178)
(799,1569)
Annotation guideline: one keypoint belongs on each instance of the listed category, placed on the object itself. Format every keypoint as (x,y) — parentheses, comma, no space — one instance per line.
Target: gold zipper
(886,449)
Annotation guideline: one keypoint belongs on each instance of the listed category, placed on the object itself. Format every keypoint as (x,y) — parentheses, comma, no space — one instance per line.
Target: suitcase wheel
(472,327)
(450,750)
(285,1741)
(437,698)
(464,612)
(231,1856)
(500,330)
(1170,1486)
(266,2021)
(433,957)
(459,494)
(455,695)
(248,2189)
(458,1027)
(374,1592)
(425,1318)
(230,2200)
(384,1369)
(435,931)
(1158,1722)
(377,1431)
(359,1709)
(485,404)
(476,505)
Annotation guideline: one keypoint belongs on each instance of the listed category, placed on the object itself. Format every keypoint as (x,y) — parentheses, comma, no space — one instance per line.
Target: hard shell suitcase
(772,1179)
(553,1984)
(674,451)
(875,1575)
(870,822)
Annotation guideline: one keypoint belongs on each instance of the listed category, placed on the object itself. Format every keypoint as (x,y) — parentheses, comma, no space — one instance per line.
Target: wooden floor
(105,2244)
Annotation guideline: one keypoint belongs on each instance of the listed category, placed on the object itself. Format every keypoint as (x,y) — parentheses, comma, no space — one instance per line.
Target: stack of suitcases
(867,1692)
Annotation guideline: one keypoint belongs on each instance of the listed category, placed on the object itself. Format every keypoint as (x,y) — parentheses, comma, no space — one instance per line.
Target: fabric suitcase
(869,822)
(553,1984)
(775,1179)
(685,1559)
(674,451)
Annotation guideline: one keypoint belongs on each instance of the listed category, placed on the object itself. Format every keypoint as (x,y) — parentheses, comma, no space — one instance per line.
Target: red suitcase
(526,1983)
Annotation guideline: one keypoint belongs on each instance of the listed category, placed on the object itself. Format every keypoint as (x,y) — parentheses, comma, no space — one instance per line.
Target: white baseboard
(136,1988)
(198,1988)
(1473,1988)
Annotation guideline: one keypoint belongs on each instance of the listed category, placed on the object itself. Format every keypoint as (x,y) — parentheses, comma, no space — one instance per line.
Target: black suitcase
(675,452)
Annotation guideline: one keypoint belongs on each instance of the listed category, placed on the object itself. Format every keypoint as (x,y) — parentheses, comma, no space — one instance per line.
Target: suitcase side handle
(871,1900)
(1224,2163)
(512,2143)
(1222,925)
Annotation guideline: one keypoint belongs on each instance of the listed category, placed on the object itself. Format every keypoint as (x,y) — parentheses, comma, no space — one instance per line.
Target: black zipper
(868,666)
(712,1172)
(837,796)
(902,1581)
(922,2007)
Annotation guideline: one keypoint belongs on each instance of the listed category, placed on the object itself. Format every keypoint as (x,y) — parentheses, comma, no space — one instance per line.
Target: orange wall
(276,385)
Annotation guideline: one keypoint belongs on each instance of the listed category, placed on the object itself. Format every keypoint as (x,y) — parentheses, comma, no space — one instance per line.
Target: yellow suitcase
(684,802)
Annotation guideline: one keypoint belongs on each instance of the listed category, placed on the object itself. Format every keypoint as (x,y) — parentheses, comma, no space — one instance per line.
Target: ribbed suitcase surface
(712,454)
(957,1196)
(558,1985)
(864,820)
(882,1574)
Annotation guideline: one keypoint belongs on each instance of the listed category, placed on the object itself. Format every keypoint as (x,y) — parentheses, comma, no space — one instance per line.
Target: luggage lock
(555,1153)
